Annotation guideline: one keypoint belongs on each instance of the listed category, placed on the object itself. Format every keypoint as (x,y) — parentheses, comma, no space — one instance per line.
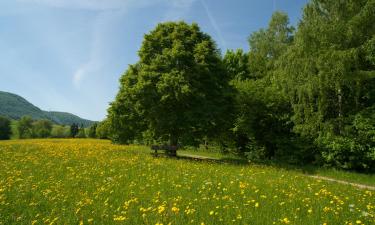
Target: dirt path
(197,157)
(361,186)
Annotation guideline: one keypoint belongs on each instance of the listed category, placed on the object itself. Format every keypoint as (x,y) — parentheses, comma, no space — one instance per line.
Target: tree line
(27,128)
(300,95)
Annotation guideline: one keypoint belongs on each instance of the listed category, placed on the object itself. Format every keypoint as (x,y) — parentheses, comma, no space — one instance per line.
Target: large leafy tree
(262,110)
(177,92)
(267,45)
(236,64)
(329,76)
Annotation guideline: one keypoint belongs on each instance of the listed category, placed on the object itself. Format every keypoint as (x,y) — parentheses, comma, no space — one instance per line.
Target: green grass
(367,179)
(349,176)
(95,182)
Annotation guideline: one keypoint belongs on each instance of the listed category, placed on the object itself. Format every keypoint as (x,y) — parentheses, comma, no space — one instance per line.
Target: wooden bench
(170,150)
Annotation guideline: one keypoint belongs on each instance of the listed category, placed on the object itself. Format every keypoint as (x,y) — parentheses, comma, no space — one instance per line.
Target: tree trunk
(173,141)
(206,144)
(339,91)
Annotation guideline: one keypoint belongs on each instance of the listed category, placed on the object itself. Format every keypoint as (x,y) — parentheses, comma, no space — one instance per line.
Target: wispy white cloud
(97,59)
(108,13)
(214,24)
(99,47)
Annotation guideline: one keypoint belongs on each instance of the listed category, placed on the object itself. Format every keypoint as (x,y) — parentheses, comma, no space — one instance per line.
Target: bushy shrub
(355,149)
(41,129)
(59,131)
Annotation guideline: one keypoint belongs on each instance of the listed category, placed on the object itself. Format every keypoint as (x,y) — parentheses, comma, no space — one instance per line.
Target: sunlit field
(95,182)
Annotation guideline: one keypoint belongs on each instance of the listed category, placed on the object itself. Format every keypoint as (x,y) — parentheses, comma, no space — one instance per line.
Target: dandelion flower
(161,209)
(119,218)
(285,221)
(175,209)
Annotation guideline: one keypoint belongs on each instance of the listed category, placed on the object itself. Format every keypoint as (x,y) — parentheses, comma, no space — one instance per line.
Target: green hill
(14,107)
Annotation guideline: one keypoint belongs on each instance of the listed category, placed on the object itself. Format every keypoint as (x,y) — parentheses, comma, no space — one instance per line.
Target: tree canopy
(301,95)
(178,91)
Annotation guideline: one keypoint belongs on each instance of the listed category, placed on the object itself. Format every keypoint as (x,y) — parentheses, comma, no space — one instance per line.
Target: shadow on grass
(198,158)
(241,161)
(307,169)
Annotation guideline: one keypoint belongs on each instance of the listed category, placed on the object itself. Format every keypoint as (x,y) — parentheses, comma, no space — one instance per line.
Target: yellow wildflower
(175,209)
(161,209)
(285,221)
(119,218)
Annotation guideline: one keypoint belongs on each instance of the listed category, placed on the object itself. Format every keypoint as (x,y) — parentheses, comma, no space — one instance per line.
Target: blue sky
(68,55)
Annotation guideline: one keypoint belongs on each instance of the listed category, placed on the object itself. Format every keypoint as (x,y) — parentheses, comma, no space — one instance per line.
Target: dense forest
(15,107)
(299,95)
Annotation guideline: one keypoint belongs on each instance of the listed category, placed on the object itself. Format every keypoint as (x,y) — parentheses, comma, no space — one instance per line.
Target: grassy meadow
(96,182)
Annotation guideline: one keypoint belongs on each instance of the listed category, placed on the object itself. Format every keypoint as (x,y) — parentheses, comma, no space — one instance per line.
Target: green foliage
(5,128)
(74,129)
(356,147)
(103,131)
(92,131)
(25,127)
(178,92)
(262,127)
(14,129)
(60,131)
(14,107)
(81,132)
(64,118)
(304,96)
(42,129)
(267,45)
(328,74)
(236,64)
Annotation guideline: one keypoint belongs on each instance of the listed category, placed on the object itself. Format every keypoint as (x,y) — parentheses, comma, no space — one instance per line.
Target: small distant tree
(81,132)
(42,129)
(5,129)
(59,131)
(25,127)
(92,131)
(74,129)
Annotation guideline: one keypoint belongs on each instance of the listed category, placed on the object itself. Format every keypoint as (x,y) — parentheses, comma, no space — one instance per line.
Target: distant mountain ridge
(15,106)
